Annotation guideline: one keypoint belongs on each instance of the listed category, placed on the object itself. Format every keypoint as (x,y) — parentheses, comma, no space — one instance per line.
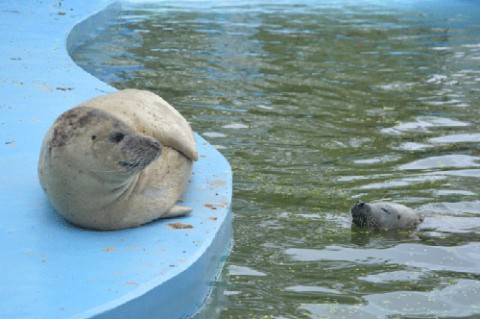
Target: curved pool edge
(92,25)
(51,269)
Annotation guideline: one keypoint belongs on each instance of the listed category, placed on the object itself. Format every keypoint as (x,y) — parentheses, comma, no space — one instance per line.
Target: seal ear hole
(116,137)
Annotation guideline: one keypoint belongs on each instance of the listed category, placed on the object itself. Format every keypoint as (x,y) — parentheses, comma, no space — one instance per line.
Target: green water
(315,105)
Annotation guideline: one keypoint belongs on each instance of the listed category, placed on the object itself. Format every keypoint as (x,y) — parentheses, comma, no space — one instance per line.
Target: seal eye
(94,137)
(116,137)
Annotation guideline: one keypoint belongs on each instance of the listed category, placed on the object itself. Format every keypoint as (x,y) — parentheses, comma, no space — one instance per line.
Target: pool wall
(51,269)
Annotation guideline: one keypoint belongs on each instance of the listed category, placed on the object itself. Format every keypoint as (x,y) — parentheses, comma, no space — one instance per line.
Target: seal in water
(118,161)
(384,215)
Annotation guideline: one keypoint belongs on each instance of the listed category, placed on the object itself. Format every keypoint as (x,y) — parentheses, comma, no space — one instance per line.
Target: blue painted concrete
(51,269)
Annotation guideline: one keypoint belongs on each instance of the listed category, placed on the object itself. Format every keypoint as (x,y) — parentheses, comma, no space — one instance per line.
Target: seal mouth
(130,165)
(365,222)
(140,153)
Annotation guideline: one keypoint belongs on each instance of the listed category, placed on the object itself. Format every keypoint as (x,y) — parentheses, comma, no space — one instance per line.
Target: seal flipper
(177,210)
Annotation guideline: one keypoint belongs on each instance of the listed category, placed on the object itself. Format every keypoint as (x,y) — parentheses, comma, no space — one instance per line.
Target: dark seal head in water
(384,215)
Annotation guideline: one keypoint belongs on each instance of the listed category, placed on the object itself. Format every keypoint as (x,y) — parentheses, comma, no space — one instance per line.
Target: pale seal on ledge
(118,161)
(384,216)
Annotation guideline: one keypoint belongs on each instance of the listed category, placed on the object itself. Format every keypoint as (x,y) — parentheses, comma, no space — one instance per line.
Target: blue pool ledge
(51,269)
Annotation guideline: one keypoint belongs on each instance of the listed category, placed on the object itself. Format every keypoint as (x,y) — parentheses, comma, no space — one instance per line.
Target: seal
(384,215)
(118,161)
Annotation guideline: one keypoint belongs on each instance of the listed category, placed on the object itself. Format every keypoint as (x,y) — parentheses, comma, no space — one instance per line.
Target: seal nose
(360,204)
(154,145)
(356,209)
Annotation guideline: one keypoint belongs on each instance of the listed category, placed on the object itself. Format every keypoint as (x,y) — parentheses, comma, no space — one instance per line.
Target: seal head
(384,215)
(97,142)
